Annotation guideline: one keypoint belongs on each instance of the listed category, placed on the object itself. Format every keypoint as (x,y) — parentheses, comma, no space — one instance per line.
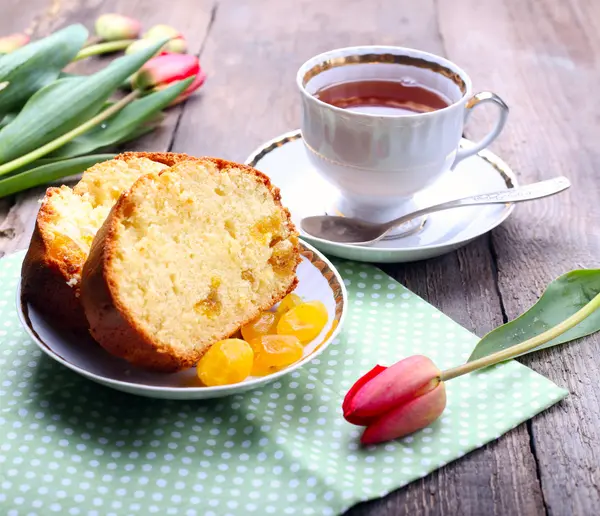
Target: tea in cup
(383,123)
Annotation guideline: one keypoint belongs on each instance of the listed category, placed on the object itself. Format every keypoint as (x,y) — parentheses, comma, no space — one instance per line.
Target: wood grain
(193,18)
(251,97)
(543,58)
(546,68)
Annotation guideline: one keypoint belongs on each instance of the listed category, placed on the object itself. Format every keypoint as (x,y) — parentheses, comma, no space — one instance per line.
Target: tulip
(392,402)
(196,83)
(396,401)
(140,44)
(112,27)
(176,43)
(13,42)
(165,69)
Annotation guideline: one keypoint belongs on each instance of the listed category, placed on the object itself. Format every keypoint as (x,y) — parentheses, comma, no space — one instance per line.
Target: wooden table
(543,58)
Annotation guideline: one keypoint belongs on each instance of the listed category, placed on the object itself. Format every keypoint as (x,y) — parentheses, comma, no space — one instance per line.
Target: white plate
(318,281)
(306,193)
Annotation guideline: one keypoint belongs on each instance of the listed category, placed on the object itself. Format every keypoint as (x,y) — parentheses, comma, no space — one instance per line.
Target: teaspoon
(347,230)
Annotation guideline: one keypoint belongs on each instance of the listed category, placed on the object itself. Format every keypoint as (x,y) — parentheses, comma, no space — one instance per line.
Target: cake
(66,224)
(186,257)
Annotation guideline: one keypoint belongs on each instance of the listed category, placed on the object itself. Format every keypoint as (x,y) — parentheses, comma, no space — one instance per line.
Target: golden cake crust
(111,323)
(50,262)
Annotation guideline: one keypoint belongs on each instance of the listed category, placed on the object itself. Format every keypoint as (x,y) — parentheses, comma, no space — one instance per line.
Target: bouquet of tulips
(52,122)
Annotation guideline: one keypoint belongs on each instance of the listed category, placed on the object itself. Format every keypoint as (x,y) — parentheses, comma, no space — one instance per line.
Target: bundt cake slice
(186,257)
(65,227)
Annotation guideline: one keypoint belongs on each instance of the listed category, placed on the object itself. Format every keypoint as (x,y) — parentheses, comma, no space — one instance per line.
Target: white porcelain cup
(379,162)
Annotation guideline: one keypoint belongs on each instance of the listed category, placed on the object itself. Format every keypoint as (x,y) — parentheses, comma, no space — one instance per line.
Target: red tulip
(113,27)
(196,83)
(166,68)
(396,401)
(13,42)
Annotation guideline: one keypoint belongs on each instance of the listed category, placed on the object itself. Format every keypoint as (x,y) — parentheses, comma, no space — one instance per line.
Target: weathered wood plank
(16,19)
(17,213)
(251,58)
(543,58)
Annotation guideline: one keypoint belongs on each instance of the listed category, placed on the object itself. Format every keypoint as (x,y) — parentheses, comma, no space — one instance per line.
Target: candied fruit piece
(274,352)
(304,321)
(283,257)
(289,302)
(227,361)
(62,246)
(264,324)
(210,306)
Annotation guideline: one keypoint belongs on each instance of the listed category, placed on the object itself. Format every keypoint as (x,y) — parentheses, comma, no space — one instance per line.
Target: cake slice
(186,257)
(65,227)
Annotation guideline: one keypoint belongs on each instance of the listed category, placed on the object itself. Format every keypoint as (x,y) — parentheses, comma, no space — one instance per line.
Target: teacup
(378,162)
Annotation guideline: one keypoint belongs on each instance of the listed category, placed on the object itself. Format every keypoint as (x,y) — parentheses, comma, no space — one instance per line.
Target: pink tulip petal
(352,392)
(408,418)
(395,386)
(196,83)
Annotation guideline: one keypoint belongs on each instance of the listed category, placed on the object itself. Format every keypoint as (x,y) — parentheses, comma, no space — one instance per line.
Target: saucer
(304,192)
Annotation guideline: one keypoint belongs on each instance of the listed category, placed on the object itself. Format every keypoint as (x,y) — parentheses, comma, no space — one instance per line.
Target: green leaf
(117,128)
(37,64)
(45,173)
(563,297)
(8,118)
(63,105)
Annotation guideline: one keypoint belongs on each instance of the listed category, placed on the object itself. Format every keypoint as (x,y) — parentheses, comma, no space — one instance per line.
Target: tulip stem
(67,137)
(94,40)
(526,346)
(103,48)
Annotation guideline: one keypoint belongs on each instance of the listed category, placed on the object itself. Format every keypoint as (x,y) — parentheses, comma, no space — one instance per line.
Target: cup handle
(474,101)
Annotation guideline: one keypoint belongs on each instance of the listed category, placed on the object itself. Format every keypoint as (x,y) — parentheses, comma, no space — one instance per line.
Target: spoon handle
(519,194)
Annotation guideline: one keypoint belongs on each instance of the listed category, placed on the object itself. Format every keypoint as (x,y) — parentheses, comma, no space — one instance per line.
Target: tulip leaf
(49,171)
(119,127)
(563,297)
(37,64)
(61,106)
(7,119)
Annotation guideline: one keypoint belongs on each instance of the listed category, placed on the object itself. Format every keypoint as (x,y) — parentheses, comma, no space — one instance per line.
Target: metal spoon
(359,232)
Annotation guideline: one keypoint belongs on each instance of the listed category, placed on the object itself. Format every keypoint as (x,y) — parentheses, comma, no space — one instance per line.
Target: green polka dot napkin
(73,447)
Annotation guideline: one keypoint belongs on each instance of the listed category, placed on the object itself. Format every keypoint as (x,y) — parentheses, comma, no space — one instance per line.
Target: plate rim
(505,172)
(219,390)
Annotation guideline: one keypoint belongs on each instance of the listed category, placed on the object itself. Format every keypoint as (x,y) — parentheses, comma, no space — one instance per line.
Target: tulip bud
(112,27)
(396,401)
(176,43)
(160,32)
(13,42)
(175,46)
(140,44)
(196,83)
(165,69)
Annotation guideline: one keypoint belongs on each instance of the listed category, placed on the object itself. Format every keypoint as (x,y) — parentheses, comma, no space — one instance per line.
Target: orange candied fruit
(289,302)
(264,324)
(274,352)
(304,321)
(227,361)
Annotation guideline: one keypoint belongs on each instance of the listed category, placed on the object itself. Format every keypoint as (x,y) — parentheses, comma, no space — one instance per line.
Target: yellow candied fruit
(304,321)
(274,352)
(289,302)
(227,361)
(264,324)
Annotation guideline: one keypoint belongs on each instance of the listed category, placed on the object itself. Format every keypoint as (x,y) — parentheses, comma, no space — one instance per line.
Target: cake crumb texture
(188,255)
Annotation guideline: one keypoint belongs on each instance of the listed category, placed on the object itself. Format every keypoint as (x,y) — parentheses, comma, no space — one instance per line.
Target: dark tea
(382,97)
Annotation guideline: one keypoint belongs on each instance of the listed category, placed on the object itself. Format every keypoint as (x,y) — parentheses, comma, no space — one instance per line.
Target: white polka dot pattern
(73,447)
